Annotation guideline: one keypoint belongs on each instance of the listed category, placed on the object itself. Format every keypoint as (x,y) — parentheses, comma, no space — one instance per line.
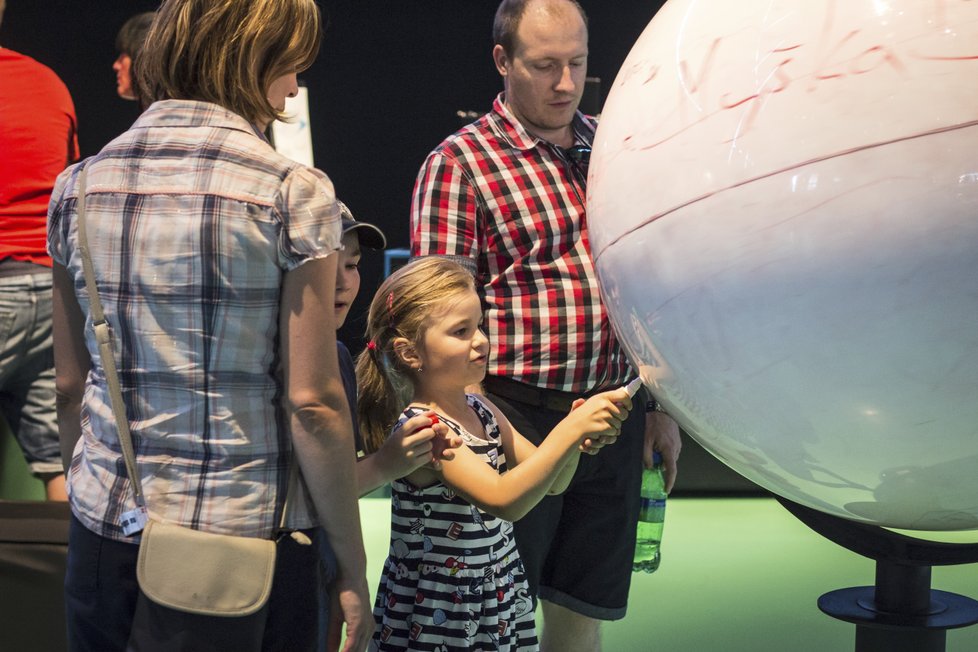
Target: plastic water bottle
(650,517)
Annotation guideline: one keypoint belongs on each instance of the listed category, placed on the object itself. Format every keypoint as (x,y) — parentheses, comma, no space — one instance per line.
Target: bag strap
(103,335)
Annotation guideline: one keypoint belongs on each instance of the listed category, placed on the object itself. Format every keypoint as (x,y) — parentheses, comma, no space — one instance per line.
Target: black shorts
(578,547)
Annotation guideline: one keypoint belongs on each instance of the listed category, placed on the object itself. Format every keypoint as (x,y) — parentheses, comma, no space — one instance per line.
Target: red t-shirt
(37,140)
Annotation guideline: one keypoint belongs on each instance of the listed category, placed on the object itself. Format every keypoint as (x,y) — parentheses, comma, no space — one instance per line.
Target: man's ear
(501,59)
(406,353)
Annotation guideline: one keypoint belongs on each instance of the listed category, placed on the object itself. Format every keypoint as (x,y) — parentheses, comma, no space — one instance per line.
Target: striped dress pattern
(453,579)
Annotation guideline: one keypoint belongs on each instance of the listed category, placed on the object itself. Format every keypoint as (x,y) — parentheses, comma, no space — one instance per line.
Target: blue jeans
(27,399)
(106,611)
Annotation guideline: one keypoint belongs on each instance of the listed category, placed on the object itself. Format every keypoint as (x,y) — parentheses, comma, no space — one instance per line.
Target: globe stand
(901,613)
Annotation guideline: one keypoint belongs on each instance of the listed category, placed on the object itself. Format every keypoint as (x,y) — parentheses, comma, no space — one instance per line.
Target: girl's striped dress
(453,579)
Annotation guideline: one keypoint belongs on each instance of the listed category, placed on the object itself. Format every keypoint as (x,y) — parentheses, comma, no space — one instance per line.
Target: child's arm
(563,479)
(512,494)
(522,449)
(589,446)
(565,475)
(420,440)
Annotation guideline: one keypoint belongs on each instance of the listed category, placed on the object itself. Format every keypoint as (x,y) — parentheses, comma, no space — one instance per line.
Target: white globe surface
(783,209)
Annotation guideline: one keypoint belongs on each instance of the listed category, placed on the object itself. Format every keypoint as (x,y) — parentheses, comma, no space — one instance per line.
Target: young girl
(453,578)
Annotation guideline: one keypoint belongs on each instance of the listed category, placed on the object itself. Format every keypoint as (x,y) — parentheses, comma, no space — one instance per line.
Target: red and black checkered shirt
(512,207)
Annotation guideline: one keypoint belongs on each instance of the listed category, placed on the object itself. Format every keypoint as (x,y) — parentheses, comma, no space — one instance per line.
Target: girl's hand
(587,446)
(443,445)
(602,416)
(420,440)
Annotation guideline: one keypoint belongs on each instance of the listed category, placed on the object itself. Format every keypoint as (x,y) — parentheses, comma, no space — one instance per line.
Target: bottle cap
(656,458)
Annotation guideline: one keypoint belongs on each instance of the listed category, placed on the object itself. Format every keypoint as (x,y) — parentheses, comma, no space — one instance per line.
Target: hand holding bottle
(651,517)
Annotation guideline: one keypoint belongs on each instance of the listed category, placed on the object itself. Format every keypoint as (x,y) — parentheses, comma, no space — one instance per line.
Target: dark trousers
(106,611)
(577,547)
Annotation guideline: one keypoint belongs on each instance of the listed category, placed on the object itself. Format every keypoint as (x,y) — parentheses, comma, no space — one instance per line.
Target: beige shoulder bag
(179,567)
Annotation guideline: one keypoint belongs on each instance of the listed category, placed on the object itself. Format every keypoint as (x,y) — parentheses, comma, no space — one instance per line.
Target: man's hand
(662,434)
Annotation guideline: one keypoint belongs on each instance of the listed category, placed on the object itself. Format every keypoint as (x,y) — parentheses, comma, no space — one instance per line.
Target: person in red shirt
(38,139)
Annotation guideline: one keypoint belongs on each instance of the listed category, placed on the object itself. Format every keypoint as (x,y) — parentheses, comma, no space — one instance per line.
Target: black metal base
(901,613)
(882,631)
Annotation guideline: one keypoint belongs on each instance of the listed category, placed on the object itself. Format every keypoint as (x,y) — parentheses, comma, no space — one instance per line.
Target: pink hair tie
(371,345)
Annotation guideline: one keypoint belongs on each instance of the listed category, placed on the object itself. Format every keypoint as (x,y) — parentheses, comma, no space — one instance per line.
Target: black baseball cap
(370,236)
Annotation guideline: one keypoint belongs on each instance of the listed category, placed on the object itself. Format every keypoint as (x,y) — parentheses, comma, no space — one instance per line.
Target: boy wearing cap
(356,237)
(411,446)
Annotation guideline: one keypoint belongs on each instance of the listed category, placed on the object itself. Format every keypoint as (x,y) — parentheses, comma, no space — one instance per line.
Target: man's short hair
(227,52)
(132,34)
(507,22)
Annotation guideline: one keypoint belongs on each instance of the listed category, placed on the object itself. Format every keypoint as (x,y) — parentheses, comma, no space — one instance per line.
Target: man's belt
(551,399)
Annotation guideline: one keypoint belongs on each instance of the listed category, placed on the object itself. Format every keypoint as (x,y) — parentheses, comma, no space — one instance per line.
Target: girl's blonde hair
(227,52)
(400,309)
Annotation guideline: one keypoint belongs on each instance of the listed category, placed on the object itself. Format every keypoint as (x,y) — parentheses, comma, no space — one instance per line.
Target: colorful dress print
(453,579)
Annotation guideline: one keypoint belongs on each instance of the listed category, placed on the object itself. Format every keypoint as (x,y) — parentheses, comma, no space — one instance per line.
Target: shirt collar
(510,129)
(194,113)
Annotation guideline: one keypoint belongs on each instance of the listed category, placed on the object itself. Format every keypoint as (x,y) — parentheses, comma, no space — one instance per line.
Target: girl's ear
(406,352)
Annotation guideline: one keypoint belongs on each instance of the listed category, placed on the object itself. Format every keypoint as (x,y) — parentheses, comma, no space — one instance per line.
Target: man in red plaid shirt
(505,197)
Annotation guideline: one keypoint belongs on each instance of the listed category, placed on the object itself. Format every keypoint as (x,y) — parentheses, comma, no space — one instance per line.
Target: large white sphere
(783,207)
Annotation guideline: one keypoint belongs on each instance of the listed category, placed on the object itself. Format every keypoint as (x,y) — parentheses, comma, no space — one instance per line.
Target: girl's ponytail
(378,402)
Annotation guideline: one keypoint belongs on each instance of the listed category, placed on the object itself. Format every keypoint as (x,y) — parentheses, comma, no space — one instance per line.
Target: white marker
(633,387)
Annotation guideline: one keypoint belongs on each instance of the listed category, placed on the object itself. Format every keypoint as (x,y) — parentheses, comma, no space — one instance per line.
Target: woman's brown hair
(228,52)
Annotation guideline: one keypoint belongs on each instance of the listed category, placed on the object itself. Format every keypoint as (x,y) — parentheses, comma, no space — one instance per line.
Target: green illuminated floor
(737,575)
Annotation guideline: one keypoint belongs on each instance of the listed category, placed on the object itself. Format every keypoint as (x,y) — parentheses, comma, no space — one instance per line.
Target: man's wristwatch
(653,405)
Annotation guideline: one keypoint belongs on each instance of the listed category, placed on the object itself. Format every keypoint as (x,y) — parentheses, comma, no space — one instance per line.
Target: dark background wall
(385,90)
